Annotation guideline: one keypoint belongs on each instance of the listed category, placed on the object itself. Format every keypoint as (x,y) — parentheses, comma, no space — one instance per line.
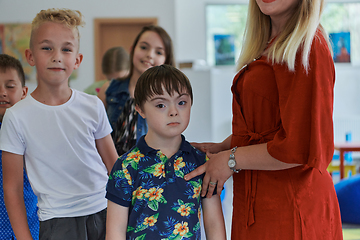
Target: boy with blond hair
(12,90)
(148,197)
(63,136)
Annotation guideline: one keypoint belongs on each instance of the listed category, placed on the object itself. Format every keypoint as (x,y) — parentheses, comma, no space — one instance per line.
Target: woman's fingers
(206,185)
(210,190)
(198,171)
(220,187)
(216,173)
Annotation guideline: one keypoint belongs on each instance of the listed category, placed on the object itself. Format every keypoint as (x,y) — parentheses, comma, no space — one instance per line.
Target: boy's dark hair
(153,80)
(8,62)
(114,60)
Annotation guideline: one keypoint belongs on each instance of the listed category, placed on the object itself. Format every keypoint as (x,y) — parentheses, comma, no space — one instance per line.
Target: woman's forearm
(257,157)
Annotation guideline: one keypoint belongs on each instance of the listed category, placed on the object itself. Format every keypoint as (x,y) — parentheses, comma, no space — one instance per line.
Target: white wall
(347,88)
(347,102)
(211,111)
(20,11)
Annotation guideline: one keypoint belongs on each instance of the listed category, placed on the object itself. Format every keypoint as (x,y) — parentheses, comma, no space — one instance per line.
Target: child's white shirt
(64,167)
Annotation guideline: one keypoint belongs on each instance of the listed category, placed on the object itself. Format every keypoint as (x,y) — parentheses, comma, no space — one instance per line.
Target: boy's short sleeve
(104,127)
(120,184)
(10,135)
(117,200)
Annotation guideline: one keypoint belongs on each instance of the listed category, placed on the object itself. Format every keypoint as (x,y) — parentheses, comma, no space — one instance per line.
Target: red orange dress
(292,113)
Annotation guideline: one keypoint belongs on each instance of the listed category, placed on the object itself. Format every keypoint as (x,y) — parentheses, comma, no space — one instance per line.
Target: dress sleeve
(306,109)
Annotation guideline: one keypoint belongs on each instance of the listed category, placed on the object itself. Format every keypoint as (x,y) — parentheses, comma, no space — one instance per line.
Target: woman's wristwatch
(232,162)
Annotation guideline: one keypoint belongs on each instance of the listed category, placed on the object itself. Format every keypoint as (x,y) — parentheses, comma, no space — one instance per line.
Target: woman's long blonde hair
(298,33)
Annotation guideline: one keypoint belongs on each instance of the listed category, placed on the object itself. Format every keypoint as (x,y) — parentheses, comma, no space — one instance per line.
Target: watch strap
(232,158)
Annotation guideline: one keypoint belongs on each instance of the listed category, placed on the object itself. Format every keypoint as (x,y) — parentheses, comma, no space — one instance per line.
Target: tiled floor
(351,231)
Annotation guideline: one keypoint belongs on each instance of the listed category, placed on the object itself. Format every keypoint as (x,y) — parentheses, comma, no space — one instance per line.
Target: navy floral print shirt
(162,205)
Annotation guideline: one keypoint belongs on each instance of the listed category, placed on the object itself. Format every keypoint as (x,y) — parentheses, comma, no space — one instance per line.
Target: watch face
(231,163)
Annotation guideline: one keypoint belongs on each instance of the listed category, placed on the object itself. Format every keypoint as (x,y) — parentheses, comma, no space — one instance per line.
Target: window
(342,22)
(224,20)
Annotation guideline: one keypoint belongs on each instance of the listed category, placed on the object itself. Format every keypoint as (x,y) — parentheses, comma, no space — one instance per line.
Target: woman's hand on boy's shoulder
(217,172)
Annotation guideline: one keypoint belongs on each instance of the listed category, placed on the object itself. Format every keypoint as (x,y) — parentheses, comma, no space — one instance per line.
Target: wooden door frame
(116,21)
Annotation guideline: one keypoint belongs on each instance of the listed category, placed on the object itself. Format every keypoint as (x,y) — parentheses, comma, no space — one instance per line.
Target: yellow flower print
(154,194)
(179,164)
(181,229)
(199,214)
(150,221)
(139,193)
(161,155)
(197,192)
(184,211)
(159,170)
(127,176)
(135,156)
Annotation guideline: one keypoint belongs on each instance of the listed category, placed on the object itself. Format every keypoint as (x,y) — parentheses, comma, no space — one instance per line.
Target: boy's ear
(24,92)
(138,109)
(29,57)
(78,61)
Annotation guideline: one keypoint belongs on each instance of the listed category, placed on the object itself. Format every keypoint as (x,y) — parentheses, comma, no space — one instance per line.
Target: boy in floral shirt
(148,197)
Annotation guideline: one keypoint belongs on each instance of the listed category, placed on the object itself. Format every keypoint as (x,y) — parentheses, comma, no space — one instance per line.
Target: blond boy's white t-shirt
(64,167)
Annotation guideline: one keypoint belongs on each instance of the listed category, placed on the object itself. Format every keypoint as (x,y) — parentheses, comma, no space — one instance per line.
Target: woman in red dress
(282,129)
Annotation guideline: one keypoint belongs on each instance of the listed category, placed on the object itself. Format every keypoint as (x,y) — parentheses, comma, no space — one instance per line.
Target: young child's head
(163,94)
(157,79)
(12,83)
(115,63)
(54,43)
(151,37)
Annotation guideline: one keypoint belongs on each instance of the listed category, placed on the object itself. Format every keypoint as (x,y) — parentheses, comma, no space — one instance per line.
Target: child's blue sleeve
(120,185)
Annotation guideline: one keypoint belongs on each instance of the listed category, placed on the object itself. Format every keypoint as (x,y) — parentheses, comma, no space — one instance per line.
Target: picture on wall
(14,40)
(341,46)
(224,49)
